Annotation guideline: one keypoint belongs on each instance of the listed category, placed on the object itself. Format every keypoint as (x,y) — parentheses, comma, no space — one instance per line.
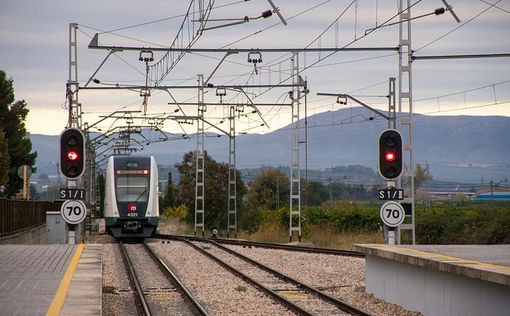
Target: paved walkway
(30,275)
(50,279)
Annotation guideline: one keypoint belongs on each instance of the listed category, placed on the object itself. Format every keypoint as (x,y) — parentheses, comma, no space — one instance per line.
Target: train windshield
(132,188)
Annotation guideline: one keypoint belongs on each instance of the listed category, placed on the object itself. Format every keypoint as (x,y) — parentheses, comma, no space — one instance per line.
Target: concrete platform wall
(34,236)
(433,292)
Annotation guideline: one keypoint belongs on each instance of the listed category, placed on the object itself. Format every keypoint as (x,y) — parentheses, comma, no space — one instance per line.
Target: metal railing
(18,216)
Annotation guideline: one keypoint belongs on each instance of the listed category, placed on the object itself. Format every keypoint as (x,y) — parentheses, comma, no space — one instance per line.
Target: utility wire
(112,32)
(278,23)
(500,8)
(458,27)
(468,107)
(117,56)
(465,91)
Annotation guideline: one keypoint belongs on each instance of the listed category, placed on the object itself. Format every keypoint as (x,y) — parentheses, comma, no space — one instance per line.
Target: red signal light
(72,155)
(390,156)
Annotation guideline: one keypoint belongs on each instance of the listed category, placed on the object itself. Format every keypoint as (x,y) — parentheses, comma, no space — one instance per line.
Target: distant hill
(463,148)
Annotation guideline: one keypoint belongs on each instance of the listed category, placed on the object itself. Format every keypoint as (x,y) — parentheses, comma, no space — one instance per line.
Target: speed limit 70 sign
(73,211)
(392,214)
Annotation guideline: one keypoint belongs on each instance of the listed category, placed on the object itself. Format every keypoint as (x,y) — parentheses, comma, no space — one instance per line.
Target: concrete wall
(36,235)
(433,292)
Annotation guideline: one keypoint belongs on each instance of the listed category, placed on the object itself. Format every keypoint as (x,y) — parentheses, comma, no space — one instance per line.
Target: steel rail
(135,282)
(323,296)
(295,308)
(238,242)
(200,309)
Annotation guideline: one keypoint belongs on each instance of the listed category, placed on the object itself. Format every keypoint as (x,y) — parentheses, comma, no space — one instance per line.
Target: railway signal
(72,153)
(390,154)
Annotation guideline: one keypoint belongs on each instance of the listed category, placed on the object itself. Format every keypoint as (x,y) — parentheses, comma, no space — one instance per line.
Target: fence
(18,216)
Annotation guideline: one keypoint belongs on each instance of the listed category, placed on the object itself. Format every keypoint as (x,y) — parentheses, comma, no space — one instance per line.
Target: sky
(34,44)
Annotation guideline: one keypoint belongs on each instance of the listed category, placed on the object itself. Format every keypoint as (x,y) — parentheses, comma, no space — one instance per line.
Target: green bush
(180,212)
(456,222)
(463,224)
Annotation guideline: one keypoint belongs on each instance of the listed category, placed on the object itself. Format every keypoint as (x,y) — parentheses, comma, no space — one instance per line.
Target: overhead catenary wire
(319,65)
(458,27)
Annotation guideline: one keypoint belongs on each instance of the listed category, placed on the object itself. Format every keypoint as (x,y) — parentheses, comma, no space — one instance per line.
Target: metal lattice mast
(74,119)
(392,104)
(232,185)
(405,110)
(295,176)
(200,160)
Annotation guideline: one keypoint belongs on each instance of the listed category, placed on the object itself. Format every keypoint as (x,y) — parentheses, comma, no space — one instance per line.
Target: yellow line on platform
(449,258)
(60,295)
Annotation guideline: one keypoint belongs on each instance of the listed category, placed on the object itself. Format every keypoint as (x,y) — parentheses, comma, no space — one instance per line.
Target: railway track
(159,300)
(293,294)
(267,245)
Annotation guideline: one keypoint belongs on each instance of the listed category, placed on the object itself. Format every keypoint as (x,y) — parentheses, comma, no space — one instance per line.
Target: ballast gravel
(339,276)
(222,293)
(219,290)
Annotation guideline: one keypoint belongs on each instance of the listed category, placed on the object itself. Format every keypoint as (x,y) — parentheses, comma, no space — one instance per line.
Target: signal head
(390,154)
(72,153)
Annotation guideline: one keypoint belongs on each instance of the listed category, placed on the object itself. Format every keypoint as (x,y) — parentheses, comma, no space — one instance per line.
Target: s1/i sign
(390,154)
(72,153)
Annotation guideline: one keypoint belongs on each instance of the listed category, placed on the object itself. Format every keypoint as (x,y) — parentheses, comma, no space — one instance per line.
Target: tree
(316,193)
(19,146)
(421,175)
(4,161)
(101,179)
(216,189)
(269,190)
(169,198)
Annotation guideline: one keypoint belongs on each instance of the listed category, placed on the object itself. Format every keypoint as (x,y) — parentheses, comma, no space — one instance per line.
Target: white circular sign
(392,214)
(24,169)
(73,211)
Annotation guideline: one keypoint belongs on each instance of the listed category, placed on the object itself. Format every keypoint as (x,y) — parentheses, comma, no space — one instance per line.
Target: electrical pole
(295,177)
(200,161)
(405,112)
(232,178)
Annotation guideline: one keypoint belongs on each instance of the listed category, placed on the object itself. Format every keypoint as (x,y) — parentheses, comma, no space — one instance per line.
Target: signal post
(390,168)
(72,166)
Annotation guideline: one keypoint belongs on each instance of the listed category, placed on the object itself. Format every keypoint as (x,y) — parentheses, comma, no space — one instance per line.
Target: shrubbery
(179,212)
(454,224)
(450,223)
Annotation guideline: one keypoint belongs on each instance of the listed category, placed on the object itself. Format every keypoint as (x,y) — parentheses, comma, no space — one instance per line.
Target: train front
(131,197)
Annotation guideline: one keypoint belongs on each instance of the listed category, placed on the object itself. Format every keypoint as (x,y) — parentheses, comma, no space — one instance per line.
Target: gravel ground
(339,276)
(306,301)
(161,295)
(118,296)
(222,292)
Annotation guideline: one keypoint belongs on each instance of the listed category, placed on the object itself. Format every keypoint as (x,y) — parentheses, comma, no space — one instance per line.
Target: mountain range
(458,148)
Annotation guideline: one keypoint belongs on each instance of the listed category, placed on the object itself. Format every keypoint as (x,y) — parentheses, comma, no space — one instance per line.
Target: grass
(240,288)
(319,236)
(323,235)
(173,225)
(326,236)
(109,289)
(269,232)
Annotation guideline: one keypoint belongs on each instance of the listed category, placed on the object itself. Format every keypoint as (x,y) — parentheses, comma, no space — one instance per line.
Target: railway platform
(440,279)
(52,279)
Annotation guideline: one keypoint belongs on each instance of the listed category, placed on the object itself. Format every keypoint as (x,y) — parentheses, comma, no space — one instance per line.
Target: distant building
(496,196)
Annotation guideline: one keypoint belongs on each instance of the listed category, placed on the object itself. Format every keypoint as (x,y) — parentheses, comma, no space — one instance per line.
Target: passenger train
(131,206)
